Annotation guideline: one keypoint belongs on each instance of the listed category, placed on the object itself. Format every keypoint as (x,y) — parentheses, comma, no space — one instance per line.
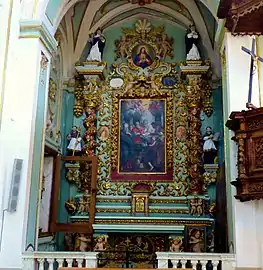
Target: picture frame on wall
(46,191)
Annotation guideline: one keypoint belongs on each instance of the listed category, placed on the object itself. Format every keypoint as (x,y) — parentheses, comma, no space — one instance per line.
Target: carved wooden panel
(248,128)
(242,16)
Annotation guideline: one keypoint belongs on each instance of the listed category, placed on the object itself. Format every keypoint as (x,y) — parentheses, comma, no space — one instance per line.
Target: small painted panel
(143,55)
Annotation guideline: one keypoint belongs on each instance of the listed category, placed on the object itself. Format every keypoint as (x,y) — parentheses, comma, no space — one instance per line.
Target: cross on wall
(254,58)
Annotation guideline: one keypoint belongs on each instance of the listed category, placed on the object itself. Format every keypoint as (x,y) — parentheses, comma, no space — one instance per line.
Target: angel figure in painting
(176,244)
(143,59)
(196,241)
(74,139)
(164,46)
(97,44)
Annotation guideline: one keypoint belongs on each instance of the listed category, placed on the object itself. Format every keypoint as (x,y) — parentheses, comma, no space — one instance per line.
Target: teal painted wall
(37,158)
(115,32)
(66,125)
(52,9)
(216,121)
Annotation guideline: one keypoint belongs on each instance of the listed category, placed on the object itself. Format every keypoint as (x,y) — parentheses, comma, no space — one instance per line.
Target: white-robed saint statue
(96,45)
(191,43)
(193,54)
(74,139)
(209,147)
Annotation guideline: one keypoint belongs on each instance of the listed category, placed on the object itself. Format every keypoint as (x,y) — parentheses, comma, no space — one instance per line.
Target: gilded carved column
(88,100)
(195,138)
(91,103)
(194,99)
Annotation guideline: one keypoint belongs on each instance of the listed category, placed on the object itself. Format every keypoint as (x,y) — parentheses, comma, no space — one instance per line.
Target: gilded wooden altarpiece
(153,81)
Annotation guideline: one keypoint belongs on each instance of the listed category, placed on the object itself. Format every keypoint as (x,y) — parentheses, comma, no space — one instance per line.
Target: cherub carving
(123,47)
(131,82)
(84,244)
(199,208)
(164,46)
(176,244)
(152,83)
(196,206)
(82,205)
(101,244)
(193,206)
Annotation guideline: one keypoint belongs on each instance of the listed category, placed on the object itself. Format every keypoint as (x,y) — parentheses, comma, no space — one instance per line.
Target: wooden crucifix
(254,58)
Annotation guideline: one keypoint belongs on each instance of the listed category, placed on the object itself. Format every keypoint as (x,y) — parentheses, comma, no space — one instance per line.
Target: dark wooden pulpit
(248,129)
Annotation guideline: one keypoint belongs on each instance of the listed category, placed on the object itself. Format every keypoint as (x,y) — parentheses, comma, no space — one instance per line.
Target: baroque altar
(142,123)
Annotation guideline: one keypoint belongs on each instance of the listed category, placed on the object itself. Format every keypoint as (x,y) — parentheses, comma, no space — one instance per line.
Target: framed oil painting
(143,127)
(142,136)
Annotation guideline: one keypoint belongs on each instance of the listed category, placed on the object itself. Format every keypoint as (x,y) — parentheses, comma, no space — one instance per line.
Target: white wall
(17,136)
(248,216)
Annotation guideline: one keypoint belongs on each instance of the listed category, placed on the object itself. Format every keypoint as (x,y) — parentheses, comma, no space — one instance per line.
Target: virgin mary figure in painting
(97,44)
(142,59)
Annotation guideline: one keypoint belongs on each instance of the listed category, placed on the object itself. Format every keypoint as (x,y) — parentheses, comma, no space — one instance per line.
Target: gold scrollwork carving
(73,173)
(242,171)
(206,99)
(144,34)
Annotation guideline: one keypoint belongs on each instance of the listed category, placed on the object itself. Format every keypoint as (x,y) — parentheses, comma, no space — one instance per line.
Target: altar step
(56,260)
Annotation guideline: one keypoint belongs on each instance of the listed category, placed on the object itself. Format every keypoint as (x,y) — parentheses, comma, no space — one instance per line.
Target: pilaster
(22,137)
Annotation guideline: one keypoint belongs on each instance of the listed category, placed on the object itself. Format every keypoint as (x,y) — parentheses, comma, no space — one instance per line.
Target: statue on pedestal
(97,43)
(191,40)
(209,147)
(74,139)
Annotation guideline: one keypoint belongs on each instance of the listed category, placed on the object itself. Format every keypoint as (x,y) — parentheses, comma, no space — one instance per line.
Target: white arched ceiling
(148,17)
(38,7)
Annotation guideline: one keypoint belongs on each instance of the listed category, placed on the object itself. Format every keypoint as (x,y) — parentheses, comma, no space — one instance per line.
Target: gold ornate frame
(138,93)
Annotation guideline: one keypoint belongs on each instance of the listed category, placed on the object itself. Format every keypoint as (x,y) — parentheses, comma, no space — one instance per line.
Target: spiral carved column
(195,138)
(90,123)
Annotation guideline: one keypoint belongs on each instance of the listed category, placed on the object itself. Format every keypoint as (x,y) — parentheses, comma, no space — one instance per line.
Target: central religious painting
(142,138)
